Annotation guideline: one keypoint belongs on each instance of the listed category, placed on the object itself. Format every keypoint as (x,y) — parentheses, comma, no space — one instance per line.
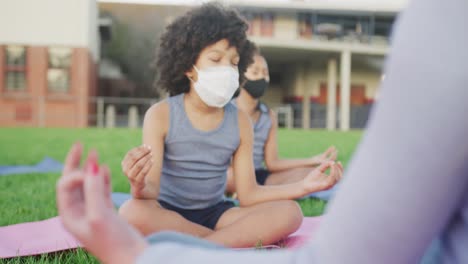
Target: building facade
(49,51)
(325,57)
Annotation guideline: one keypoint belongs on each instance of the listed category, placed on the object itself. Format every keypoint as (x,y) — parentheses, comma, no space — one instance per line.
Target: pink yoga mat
(300,237)
(304,233)
(35,238)
(50,236)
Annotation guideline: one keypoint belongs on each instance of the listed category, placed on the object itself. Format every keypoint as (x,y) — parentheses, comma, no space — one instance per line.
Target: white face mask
(216,85)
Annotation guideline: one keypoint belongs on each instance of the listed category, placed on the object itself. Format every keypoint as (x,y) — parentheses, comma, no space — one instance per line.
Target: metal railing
(103,112)
(120,111)
(66,111)
(284,116)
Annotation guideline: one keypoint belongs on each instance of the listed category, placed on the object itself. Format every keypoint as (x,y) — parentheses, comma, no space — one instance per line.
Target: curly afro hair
(189,34)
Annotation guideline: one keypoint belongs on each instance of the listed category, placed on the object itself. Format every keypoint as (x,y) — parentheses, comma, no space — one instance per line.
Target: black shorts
(261,175)
(207,217)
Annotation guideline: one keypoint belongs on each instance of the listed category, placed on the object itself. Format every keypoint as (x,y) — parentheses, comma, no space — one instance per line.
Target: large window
(260,23)
(15,68)
(304,25)
(383,26)
(58,74)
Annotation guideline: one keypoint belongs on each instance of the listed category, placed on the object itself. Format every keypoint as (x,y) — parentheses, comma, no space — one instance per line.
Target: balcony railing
(322,28)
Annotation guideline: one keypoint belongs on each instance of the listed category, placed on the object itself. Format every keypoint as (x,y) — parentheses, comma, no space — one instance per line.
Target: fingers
(340,166)
(72,161)
(91,160)
(108,185)
(330,180)
(140,177)
(69,186)
(329,151)
(324,166)
(138,173)
(326,182)
(332,153)
(335,172)
(133,156)
(95,192)
(69,192)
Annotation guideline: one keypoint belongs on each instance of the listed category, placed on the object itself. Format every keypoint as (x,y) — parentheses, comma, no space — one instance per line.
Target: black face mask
(236,93)
(256,88)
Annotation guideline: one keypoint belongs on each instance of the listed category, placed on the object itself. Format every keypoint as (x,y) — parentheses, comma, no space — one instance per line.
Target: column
(331,95)
(133,117)
(100,112)
(305,97)
(345,85)
(110,116)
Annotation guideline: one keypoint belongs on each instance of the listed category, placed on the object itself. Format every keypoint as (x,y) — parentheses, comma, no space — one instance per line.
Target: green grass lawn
(31,197)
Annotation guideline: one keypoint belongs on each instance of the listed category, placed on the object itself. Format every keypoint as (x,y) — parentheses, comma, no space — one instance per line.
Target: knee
(293,213)
(132,211)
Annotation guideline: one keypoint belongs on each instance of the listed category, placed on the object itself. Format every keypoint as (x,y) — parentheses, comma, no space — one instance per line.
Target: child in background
(269,168)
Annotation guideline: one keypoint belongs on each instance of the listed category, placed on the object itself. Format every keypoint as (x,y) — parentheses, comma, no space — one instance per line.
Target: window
(15,68)
(383,26)
(267,25)
(58,74)
(260,24)
(304,25)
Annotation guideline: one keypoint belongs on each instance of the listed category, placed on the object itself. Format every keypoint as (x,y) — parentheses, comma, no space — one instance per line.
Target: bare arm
(274,163)
(155,127)
(250,193)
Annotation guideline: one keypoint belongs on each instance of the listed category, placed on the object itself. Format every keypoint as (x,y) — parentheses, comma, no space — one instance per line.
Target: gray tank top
(195,162)
(261,131)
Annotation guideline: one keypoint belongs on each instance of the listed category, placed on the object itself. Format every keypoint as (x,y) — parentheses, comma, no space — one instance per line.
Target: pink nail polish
(94,168)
